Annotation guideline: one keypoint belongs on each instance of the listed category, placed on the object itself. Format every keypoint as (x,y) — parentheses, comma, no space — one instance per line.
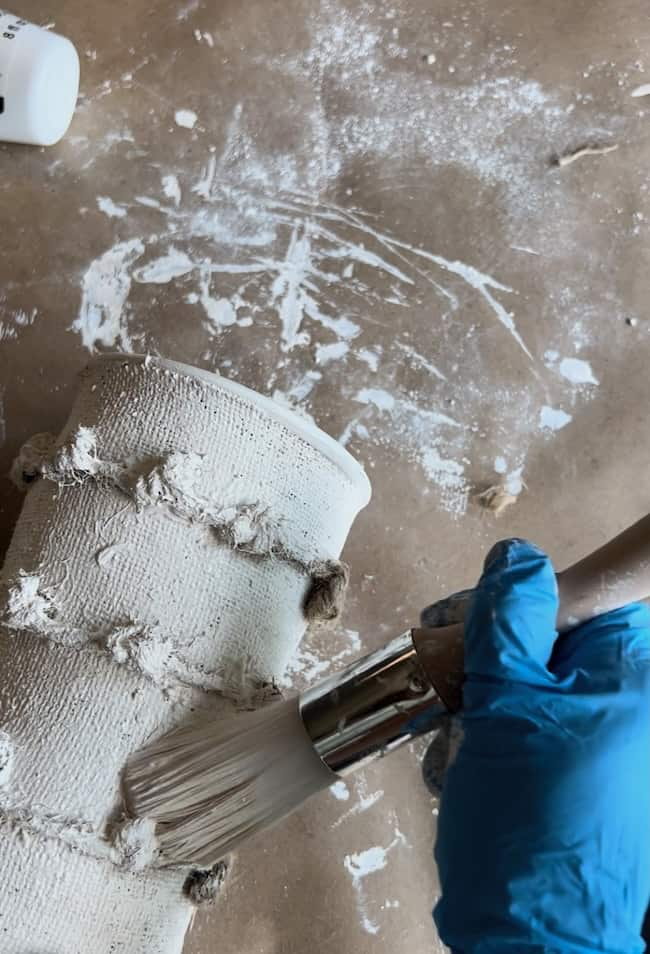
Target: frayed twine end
(204,884)
(496,499)
(326,594)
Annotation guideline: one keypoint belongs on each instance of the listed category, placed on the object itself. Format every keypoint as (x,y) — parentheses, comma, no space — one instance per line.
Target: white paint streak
(171,188)
(174,264)
(331,352)
(371,357)
(104,293)
(420,361)
(643,90)
(577,371)
(365,801)
(109,208)
(379,398)
(219,312)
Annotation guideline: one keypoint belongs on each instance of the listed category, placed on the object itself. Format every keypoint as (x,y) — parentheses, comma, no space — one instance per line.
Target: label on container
(10,27)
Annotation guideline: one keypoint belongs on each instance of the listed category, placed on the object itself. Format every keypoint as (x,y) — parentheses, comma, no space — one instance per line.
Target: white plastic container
(133,614)
(39,82)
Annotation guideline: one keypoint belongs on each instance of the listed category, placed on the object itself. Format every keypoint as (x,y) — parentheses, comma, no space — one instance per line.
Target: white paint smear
(109,208)
(219,312)
(514,482)
(362,864)
(377,397)
(174,264)
(104,292)
(500,465)
(365,800)
(577,371)
(333,286)
(186,118)
(331,352)
(643,90)
(553,419)
(172,189)
(340,791)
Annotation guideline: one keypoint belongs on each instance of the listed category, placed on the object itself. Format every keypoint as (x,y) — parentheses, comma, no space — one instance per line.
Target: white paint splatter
(500,465)
(420,361)
(10,326)
(553,419)
(524,248)
(370,357)
(316,657)
(220,312)
(449,475)
(104,293)
(379,398)
(364,863)
(365,800)
(643,90)
(204,37)
(514,483)
(577,371)
(186,118)
(174,264)
(340,791)
(331,352)
(109,208)
(172,189)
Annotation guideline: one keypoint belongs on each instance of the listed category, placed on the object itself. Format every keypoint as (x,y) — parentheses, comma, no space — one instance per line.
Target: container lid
(41,88)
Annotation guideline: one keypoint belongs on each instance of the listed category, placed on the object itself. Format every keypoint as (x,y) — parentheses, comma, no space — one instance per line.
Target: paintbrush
(209,786)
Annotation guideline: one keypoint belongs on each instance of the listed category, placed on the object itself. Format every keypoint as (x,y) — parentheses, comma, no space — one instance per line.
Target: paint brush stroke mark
(479,281)
(104,294)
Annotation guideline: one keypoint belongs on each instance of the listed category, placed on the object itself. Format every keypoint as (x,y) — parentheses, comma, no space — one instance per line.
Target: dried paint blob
(577,371)
(186,118)
(553,418)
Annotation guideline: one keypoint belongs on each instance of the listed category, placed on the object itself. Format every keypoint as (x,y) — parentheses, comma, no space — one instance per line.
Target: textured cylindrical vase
(163,558)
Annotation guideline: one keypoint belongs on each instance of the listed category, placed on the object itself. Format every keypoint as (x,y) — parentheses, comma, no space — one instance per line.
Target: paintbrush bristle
(208,785)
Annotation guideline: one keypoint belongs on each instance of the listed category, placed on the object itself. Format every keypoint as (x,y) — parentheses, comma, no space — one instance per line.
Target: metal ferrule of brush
(371,707)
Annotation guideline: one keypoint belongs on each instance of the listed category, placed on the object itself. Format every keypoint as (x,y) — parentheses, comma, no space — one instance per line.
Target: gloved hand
(544,827)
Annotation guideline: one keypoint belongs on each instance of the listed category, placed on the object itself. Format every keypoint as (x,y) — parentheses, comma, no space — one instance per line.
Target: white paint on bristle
(209,787)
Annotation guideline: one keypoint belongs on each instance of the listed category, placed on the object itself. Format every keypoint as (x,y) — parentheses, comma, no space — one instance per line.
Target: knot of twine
(326,595)
(202,885)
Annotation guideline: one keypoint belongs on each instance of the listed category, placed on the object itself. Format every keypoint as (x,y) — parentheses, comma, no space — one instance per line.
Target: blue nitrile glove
(544,828)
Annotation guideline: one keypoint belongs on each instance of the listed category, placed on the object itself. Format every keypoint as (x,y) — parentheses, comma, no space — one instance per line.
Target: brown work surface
(364,221)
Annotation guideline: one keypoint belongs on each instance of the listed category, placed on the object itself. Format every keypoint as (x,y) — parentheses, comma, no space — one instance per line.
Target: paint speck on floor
(577,371)
(110,208)
(340,791)
(553,418)
(185,118)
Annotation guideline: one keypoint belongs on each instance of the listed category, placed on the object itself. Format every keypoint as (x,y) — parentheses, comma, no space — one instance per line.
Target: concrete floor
(352,206)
